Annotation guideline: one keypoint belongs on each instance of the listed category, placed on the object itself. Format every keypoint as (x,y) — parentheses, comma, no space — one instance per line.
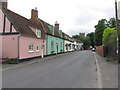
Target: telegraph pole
(118,32)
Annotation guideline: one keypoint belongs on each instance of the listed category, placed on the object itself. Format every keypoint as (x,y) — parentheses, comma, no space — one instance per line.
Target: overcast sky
(74,16)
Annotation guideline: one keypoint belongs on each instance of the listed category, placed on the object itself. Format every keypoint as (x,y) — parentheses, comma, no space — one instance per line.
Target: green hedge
(109,36)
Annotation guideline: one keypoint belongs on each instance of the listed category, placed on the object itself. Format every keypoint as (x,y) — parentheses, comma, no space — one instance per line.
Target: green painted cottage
(54,40)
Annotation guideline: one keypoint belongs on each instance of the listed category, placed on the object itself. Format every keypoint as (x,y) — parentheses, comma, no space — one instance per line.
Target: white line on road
(98,73)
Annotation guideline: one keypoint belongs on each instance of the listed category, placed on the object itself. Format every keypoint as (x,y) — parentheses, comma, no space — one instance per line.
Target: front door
(43,51)
(57,47)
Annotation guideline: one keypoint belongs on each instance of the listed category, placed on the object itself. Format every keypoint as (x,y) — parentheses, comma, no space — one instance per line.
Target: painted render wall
(78,46)
(69,48)
(24,47)
(0,46)
(1,29)
(9,46)
(7,23)
(55,40)
(1,20)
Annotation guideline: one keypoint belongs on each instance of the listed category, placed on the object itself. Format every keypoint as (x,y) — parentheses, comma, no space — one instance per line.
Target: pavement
(70,70)
(109,72)
(28,62)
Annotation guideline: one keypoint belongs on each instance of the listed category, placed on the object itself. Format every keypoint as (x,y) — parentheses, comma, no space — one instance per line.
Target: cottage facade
(55,42)
(78,45)
(28,38)
(68,43)
(20,36)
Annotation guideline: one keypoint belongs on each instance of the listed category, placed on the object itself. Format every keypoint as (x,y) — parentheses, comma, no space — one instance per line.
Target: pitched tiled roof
(67,37)
(21,23)
(56,33)
(45,26)
(77,40)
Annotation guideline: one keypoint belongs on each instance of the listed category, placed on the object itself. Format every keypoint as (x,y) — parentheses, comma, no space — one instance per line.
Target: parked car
(93,49)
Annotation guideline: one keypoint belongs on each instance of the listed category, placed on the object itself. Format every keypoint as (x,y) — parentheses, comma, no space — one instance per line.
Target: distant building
(82,34)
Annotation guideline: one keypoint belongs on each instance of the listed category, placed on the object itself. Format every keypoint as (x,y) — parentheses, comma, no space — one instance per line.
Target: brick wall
(101,50)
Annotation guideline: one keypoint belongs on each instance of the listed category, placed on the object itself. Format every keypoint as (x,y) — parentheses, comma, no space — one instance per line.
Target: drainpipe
(42,51)
(46,37)
(18,49)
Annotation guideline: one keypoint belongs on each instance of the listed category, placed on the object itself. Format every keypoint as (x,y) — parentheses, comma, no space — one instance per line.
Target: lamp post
(118,32)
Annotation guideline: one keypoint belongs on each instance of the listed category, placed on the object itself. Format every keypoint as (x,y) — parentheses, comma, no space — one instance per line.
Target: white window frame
(31,47)
(38,33)
(37,48)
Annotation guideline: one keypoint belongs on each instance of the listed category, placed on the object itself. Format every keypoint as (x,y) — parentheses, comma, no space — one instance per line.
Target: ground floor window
(66,47)
(37,48)
(52,46)
(31,47)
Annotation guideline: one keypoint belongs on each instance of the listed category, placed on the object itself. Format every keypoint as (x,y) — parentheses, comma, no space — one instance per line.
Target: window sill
(38,37)
(31,51)
(37,51)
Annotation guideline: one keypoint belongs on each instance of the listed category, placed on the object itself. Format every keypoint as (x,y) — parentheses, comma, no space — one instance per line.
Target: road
(72,70)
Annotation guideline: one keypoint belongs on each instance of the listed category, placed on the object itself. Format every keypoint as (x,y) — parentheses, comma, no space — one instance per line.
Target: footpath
(109,72)
(28,62)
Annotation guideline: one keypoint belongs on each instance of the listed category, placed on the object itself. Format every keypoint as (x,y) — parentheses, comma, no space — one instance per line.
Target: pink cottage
(21,39)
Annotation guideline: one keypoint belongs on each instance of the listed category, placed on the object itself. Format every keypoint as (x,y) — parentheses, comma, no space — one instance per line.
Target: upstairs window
(38,33)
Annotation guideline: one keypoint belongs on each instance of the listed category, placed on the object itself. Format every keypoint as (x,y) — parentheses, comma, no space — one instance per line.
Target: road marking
(98,73)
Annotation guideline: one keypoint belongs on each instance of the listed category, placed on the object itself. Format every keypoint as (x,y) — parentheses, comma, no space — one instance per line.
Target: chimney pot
(34,13)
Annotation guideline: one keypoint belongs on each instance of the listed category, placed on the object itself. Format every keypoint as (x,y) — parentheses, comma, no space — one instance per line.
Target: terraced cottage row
(27,38)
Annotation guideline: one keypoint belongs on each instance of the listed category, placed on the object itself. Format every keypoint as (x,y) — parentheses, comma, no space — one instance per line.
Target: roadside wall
(101,50)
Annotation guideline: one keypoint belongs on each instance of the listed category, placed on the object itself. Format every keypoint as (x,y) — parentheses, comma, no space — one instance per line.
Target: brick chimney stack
(56,25)
(34,13)
(3,4)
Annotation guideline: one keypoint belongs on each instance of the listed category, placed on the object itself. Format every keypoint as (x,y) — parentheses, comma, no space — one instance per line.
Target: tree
(91,37)
(107,34)
(111,23)
(86,42)
(99,29)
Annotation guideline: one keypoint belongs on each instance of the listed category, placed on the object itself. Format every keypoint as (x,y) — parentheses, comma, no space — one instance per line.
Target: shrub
(11,61)
(109,35)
